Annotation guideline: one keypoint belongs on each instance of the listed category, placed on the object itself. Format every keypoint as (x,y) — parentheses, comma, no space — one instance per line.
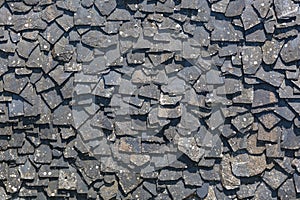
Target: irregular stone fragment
(178,191)
(50,13)
(67,179)
(175,86)
(105,7)
(269,120)
(224,31)
(271,77)
(235,8)
(229,181)
(62,51)
(263,192)
(203,190)
(242,122)
(244,165)
(271,49)
(13,83)
(189,147)
(52,33)
(128,181)
(24,48)
(166,112)
(97,39)
(289,139)
(246,191)
(251,58)
(285,112)
(274,178)
(43,154)
(27,171)
(272,135)
(285,9)
(167,175)
(220,6)
(291,50)
(30,21)
(66,22)
(256,36)
(263,97)
(13,182)
(249,17)
(287,190)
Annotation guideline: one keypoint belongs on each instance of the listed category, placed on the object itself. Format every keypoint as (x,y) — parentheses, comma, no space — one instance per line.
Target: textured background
(146,99)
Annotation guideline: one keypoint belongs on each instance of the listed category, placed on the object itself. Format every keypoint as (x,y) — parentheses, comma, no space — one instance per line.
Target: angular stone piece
(43,154)
(271,49)
(271,77)
(287,190)
(105,7)
(251,58)
(242,122)
(52,33)
(291,50)
(235,8)
(189,147)
(97,39)
(263,97)
(224,31)
(229,181)
(285,9)
(244,165)
(274,178)
(67,179)
(249,17)
(269,120)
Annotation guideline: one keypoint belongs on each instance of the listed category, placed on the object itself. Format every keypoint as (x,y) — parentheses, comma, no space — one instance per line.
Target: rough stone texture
(139,99)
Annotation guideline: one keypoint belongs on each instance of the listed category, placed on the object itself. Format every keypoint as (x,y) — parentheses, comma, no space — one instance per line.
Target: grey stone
(285,9)
(189,147)
(242,122)
(168,175)
(62,50)
(27,171)
(263,97)
(235,8)
(271,77)
(52,98)
(14,84)
(272,135)
(263,192)
(224,31)
(269,120)
(67,179)
(285,112)
(229,181)
(50,13)
(289,139)
(287,190)
(52,33)
(203,190)
(249,17)
(105,7)
(128,181)
(256,36)
(66,22)
(178,191)
(248,165)
(271,49)
(98,40)
(274,178)
(24,48)
(290,51)
(251,58)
